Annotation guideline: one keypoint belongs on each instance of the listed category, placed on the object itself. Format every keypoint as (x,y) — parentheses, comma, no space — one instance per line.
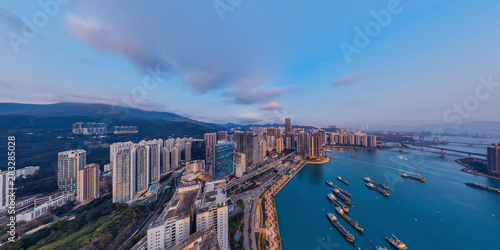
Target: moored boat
(367,179)
(342,230)
(341,190)
(342,180)
(355,225)
(342,196)
(372,187)
(337,203)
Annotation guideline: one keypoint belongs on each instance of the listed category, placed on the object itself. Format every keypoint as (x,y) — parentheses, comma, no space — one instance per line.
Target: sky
(318,62)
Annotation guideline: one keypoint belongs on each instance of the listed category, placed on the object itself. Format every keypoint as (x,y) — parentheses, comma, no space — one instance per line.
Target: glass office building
(222,160)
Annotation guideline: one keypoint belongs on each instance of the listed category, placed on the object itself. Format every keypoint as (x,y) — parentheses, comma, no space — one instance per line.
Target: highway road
(141,245)
(251,200)
(256,172)
(146,223)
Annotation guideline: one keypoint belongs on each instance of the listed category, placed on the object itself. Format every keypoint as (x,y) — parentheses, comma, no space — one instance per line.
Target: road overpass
(256,172)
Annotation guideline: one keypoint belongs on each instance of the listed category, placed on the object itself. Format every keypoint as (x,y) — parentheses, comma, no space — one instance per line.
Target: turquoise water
(442,213)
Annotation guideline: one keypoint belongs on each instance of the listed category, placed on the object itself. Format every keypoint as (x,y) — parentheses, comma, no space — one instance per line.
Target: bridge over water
(451,152)
(470,144)
(458,151)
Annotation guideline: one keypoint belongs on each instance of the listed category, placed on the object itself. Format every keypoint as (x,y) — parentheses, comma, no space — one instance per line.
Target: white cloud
(272,106)
(249,118)
(351,78)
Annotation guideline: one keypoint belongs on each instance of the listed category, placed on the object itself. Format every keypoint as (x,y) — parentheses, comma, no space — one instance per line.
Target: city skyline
(220,68)
(190,195)
(233,124)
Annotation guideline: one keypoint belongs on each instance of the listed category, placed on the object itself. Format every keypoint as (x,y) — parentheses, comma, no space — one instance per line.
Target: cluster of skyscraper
(192,209)
(248,143)
(136,166)
(310,143)
(75,176)
(354,139)
(236,156)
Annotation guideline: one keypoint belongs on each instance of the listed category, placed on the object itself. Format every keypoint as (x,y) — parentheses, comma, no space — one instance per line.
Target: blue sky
(256,61)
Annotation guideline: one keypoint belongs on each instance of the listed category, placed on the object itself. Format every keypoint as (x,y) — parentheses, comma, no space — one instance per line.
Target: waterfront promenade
(270,224)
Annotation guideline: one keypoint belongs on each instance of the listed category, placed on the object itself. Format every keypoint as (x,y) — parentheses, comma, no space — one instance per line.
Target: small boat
(381,248)
(353,156)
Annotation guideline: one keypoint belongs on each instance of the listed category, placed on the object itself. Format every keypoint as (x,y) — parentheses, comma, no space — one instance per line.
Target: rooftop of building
(91,165)
(180,205)
(203,239)
(214,193)
(76,151)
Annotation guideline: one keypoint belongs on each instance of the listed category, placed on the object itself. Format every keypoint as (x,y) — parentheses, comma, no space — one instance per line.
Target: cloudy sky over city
(320,63)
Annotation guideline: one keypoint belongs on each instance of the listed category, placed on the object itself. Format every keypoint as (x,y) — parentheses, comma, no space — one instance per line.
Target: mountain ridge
(95,110)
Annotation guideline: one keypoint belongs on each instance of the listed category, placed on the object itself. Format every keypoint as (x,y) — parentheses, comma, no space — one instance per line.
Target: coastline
(269,195)
(468,169)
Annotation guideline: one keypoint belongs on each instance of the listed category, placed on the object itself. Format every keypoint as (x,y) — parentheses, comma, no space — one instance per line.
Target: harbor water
(442,213)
